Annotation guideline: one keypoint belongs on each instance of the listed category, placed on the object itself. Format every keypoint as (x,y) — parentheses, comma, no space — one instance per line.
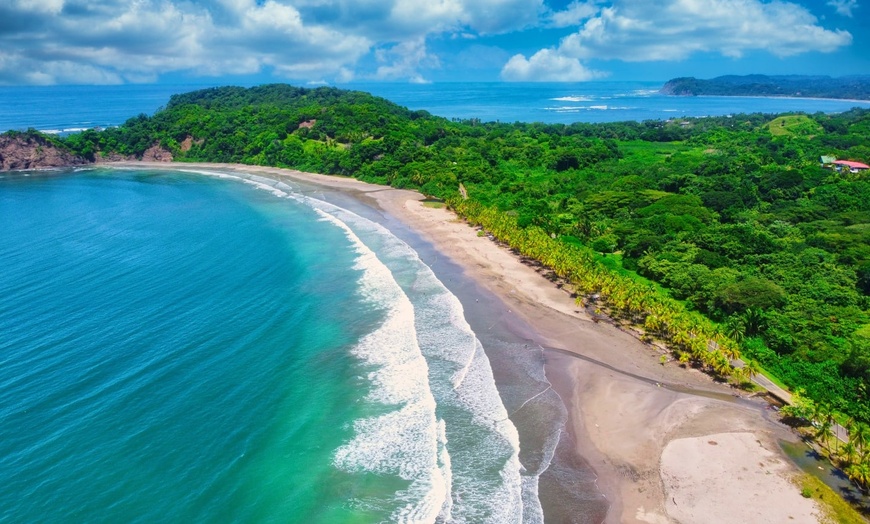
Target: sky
(45,42)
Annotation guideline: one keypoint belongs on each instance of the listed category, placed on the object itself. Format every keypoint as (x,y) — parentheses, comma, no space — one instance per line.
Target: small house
(852,167)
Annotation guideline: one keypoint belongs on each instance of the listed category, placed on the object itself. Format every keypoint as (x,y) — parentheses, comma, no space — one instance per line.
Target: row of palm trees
(692,337)
(852,455)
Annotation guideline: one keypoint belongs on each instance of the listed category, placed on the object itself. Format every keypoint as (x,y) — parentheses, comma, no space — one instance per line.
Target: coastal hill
(33,150)
(846,87)
(723,229)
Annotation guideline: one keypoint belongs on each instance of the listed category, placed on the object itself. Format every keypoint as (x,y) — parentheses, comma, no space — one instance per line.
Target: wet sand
(628,416)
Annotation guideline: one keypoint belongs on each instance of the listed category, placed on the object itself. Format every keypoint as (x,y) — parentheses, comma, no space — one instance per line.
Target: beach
(666,444)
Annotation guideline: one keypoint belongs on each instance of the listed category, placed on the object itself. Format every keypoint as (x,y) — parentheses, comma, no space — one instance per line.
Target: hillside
(847,87)
(721,230)
(32,150)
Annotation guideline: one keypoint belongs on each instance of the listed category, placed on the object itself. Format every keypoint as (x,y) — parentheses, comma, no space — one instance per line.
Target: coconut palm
(823,433)
(752,368)
(849,453)
(859,473)
(859,435)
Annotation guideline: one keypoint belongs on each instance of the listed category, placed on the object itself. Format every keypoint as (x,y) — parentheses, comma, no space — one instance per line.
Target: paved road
(785,396)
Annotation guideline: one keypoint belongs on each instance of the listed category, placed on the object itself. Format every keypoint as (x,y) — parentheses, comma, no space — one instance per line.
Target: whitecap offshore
(573,99)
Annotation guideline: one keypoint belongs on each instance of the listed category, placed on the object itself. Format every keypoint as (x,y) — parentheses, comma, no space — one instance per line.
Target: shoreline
(816,98)
(625,409)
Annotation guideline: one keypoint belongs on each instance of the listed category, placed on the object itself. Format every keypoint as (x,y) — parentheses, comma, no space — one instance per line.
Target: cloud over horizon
(127,41)
(672,30)
(115,41)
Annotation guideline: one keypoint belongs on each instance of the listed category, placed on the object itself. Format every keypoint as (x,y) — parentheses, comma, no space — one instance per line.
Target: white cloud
(40,6)
(844,7)
(547,65)
(575,13)
(643,31)
(107,41)
(501,16)
(636,31)
(405,61)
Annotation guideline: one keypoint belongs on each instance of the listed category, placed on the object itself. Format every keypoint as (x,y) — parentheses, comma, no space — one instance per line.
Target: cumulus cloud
(674,29)
(109,41)
(575,13)
(405,61)
(547,65)
(642,31)
(844,7)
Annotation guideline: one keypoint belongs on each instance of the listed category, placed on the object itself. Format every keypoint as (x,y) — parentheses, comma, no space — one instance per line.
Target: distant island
(801,86)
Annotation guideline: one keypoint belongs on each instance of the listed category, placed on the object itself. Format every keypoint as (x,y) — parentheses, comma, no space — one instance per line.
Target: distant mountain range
(845,87)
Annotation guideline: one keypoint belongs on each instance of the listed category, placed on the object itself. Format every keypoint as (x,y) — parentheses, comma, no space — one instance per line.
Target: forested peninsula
(717,236)
(799,86)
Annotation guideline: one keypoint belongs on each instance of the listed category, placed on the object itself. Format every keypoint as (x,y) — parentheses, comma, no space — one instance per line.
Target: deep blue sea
(72,108)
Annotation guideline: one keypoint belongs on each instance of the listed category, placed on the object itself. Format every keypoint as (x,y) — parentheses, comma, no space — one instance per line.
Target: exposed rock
(32,151)
(156,153)
(308,124)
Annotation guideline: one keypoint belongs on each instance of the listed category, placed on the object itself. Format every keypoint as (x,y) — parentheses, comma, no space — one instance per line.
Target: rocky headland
(19,151)
(34,150)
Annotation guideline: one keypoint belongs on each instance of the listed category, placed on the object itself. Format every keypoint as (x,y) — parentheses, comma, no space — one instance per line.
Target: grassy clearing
(794,125)
(835,510)
(434,203)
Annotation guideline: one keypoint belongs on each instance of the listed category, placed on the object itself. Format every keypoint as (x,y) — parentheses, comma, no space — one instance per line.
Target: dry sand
(645,428)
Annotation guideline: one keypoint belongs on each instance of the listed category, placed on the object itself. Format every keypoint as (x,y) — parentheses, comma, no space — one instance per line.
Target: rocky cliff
(33,151)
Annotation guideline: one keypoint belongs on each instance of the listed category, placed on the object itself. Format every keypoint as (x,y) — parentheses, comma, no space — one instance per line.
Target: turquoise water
(179,347)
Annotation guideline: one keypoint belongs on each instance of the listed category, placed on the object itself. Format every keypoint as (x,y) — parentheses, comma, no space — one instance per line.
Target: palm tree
(824,433)
(824,415)
(859,473)
(735,329)
(752,368)
(753,320)
(739,375)
(720,364)
(859,435)
(849,453)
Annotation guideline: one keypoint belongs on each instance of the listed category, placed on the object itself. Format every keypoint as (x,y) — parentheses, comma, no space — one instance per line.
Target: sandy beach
(666,443)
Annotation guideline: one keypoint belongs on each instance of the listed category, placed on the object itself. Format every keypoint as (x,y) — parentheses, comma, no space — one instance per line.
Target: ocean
(65,109)
(205,346)
(209,347)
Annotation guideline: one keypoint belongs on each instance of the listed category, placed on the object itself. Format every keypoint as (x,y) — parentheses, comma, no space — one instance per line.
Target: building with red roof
(853,167)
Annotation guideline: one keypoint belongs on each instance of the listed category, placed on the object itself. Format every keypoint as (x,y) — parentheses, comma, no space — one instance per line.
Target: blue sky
(340,41)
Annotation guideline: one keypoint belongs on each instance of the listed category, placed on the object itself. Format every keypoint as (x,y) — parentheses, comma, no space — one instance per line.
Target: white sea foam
(483,457)
(577,109)
(403,442)
(427,364)
(573,99)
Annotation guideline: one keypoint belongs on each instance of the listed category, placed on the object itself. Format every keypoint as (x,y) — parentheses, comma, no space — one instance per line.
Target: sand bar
(644,428)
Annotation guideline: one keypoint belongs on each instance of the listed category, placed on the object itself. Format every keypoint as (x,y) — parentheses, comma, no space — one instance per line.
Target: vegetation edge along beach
(718,236)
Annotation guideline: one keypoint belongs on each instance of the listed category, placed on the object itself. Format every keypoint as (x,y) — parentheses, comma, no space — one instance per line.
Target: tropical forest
(717,237)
